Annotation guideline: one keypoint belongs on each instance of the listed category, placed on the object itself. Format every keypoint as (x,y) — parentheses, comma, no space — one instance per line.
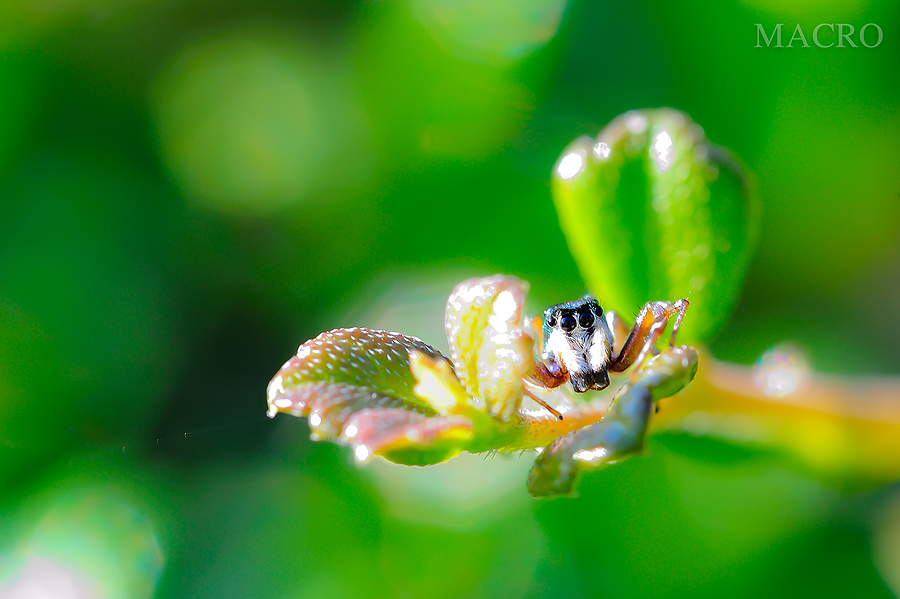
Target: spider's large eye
(586,320)
(567,323)
(551,321)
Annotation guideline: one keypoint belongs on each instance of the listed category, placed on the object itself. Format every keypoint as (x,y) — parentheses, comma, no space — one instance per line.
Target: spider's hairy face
(577,337)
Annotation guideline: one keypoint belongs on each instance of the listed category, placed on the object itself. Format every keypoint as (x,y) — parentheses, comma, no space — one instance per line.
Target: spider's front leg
(649,325)
(547,376)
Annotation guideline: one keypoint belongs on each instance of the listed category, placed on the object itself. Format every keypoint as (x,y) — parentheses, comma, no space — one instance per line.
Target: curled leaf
(368,361)
(652,210)
(356,387)
(620,433)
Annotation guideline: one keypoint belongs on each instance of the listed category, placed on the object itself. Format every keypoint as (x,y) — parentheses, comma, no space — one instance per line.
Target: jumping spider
(582,344)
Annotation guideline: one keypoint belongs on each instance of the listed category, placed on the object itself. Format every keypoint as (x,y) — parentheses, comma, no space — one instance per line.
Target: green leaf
(354,361)
(356,387)
(653,211)
(383,394)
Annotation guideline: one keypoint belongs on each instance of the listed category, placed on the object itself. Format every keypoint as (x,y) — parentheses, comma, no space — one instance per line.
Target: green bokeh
(191,189)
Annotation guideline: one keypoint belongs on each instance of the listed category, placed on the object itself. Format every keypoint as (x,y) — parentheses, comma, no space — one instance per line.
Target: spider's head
(577,337)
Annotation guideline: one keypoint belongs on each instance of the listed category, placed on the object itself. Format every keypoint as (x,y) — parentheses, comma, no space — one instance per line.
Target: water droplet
(663,151)
(781,371)
(590,456)
(571,164)
(275,388)
(362,453)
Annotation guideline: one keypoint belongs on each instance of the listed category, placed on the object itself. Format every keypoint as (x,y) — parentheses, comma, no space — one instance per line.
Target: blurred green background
(189,190)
